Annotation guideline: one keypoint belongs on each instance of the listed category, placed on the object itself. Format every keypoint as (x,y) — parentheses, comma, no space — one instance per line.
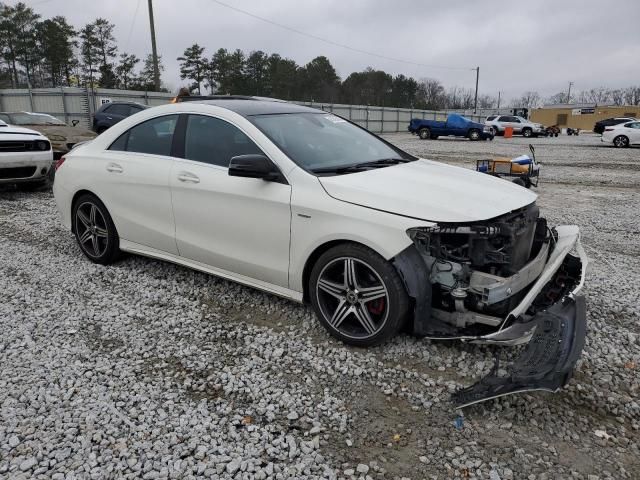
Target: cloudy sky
(539,45)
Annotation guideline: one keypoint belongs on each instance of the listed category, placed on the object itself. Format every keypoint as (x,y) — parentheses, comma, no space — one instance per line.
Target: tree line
(51,52)
(258,73)
(599,95)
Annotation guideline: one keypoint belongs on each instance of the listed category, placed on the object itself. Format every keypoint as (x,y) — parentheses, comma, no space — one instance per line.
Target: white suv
(520,125)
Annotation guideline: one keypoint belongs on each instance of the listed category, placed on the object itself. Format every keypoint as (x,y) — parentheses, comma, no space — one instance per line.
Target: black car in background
(608,122)
(111,113)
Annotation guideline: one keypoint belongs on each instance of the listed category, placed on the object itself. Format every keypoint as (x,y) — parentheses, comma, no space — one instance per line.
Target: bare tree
(529,99)
(430,94)
(632,95)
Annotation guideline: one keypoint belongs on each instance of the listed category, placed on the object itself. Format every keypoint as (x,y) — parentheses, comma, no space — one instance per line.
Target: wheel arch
(313,258)
(75,198)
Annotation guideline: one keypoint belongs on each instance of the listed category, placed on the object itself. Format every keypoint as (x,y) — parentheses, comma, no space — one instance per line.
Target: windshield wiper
(356,167)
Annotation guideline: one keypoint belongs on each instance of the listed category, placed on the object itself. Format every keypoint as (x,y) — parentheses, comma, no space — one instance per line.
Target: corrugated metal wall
(71,103)
(383,119)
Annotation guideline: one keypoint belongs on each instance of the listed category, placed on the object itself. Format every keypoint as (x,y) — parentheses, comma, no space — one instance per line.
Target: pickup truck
(454,126)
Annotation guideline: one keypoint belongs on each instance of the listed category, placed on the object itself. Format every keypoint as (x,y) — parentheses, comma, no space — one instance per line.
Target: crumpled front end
(507,281)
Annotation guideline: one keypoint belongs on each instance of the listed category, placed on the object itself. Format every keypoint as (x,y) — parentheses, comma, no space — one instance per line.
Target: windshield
(34,119)
(322,142)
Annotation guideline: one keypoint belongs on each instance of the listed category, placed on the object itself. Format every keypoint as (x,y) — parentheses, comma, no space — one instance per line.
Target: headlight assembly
(42,145)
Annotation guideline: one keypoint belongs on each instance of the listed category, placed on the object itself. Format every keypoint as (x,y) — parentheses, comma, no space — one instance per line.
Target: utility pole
(499,92)
(569,93)
(475,103)
(154,51)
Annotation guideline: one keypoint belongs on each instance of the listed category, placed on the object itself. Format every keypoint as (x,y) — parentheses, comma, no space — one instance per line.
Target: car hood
(12,132)
(430,191)
(70,133)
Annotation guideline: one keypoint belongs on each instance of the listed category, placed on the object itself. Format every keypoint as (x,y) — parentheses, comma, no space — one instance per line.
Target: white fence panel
(74,103)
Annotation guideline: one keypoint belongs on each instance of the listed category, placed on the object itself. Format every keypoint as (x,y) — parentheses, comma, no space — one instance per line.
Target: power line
(133,24)
(331,42)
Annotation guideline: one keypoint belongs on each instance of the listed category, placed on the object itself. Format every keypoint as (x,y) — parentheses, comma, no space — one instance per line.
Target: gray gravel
(148,370)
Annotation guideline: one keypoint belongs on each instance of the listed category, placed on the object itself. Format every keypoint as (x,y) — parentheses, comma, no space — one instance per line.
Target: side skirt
(145,251)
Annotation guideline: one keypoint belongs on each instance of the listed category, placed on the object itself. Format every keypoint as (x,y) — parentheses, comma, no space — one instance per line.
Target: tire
(339,284)
(621,141)
(496,132)
(521,182)
(475,135)
(424,133)
(527,132)
(94,230)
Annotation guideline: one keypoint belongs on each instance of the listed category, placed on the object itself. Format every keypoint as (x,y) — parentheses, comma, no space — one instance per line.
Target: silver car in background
(520,125)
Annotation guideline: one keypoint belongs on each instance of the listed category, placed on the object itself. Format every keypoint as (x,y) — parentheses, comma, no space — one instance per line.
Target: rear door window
(154,137)
(121,110)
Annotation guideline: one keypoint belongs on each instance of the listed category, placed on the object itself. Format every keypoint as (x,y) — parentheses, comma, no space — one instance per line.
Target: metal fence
(72,103)
(75,103)
(383,119)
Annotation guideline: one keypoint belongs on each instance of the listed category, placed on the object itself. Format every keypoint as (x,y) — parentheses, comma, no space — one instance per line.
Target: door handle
(114,168)
(188,177)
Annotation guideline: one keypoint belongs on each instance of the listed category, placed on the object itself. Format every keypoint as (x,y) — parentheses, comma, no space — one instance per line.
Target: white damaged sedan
(306,205)
(26,157)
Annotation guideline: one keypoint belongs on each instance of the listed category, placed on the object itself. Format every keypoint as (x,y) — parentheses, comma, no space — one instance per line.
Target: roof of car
(105,105)
(250,107)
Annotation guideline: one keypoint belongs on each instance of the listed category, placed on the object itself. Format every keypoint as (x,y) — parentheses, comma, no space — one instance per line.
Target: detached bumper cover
(556,333)
(548,361)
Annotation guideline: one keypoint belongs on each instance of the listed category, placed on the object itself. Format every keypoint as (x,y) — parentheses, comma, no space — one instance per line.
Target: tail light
(59,163)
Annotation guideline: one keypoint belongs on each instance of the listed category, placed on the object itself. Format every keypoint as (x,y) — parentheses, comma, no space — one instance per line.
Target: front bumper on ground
(555,335)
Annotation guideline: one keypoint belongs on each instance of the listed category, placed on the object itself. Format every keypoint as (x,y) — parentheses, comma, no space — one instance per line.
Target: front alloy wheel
(621,141)
(357,295)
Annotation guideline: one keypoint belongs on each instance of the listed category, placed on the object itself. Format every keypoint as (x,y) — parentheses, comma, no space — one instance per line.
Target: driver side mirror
(255,166)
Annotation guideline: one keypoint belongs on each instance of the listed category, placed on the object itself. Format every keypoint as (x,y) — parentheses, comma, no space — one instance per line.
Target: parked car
(520,125)
(622,135)
(26,158)
(309,206)
(610,122)
(111,113)
(62,136)
(454,126)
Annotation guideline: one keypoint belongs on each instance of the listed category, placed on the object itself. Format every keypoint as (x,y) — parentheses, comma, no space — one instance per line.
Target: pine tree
(193,66)
(125,70)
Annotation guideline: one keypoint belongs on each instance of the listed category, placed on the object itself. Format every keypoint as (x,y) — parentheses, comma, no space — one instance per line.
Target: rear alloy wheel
(424,133)
(474,135)
(621,141)
(95,232)
(527,132)
(358,295)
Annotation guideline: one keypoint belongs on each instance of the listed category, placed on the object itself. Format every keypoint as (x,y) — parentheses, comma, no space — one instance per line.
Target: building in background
(581,115)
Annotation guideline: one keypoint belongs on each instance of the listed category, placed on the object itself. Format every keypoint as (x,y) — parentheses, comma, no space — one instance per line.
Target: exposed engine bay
(507,280)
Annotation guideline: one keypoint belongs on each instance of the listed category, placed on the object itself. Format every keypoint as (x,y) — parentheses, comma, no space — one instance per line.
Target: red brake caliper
(376,306)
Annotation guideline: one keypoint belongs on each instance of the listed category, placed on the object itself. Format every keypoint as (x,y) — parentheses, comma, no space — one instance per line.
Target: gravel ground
(148,370)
